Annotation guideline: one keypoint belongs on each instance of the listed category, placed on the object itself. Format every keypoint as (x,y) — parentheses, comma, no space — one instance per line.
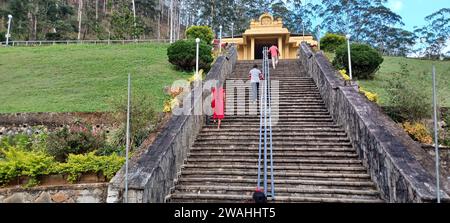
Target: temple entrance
(260,44)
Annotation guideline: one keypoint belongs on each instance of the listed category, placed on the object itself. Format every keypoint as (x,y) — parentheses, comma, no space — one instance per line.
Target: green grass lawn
(418,68)
(81,78)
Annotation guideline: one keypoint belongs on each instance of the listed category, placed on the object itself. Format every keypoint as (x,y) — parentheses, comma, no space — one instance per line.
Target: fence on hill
(94,42)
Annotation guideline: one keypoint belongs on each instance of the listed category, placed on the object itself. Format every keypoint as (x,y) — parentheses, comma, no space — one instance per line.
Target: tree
(368,21)
(123,24)
(435,34)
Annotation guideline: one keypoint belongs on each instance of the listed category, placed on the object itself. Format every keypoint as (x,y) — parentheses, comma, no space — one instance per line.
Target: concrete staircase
(313,158)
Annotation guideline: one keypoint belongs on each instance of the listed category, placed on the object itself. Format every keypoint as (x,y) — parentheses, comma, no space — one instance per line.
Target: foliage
(205,34)
(78,139)
(2,36)
(143,119)
(409,102)
(17,162)
(330,42)
(367,21)
(373,97)
(183,52)
(90,163)
(123,24)
(418,132)
(53,36)
(32,141)
(365,60)
(344,75)
(435,34)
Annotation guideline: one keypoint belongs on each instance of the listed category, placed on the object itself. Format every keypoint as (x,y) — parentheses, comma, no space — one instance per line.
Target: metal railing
(265,130)
(92,42)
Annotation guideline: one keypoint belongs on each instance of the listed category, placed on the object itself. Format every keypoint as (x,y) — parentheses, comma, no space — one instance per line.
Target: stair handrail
(265,140)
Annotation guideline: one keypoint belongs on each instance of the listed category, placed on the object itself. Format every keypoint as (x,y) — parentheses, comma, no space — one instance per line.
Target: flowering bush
(344,75)
(418,132)
(373,97)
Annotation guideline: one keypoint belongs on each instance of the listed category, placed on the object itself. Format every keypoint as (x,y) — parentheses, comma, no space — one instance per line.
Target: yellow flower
(195,77)
(373,97)
(169,105)
(418,132)
(344,75)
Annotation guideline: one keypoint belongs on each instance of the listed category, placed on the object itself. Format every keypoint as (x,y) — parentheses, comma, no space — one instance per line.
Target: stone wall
(152,174)
(401,169)
(444,154)
(78,193)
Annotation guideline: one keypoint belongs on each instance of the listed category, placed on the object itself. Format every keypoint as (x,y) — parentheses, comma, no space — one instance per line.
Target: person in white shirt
(255,76)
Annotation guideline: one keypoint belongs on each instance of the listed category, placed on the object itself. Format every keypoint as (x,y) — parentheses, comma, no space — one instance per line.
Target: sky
(414,12)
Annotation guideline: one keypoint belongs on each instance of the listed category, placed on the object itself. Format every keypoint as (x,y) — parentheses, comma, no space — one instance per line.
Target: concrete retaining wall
(78,193)
(152,174)
(402,170)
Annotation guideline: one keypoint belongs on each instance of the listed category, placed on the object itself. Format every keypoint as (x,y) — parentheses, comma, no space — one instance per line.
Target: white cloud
(395,5)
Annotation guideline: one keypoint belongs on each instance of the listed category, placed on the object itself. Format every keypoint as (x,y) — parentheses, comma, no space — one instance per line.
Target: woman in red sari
(218,105)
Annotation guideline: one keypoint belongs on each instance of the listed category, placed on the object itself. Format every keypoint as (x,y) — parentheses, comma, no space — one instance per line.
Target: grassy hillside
(418,69)
(421,78)
(82,78)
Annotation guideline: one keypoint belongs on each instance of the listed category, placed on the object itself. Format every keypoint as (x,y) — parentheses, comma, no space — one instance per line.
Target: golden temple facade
(267,32)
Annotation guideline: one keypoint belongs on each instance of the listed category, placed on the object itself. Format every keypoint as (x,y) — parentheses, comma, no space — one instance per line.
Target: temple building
(267,32)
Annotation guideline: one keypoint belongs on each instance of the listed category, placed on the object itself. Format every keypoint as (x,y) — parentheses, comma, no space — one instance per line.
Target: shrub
(76,165)
(365,60)
(373,97)
(53,36)
(17,162)
(330,42)
(344,75)
(205,33)
(408,103)
(418,132)
(76,140)
(183,52)
(143,120)
(2,36)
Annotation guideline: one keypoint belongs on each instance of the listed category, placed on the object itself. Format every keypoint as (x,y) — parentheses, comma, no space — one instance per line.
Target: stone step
(278,149)
(278,161)
(299,168)
(255,130)
(282,120)
(297,182)
(299,116)
(214,198)
(275,133)
(296,142)
(279,191)
(276,155)
(237,125)
(296,139)
(277,174)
